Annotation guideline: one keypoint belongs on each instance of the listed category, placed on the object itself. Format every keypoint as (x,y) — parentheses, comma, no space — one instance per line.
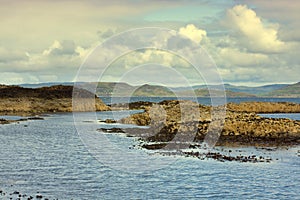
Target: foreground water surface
(49,157)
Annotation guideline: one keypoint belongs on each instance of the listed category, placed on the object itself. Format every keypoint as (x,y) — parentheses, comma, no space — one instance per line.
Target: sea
(201,100)
(64,156)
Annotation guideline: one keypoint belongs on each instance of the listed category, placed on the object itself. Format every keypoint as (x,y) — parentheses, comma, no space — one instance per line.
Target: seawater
(201,100)
(49,157)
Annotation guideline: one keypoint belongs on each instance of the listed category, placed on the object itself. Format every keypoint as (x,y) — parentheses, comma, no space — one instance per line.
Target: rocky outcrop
(251,129)
(242,126)
(18,100)
(5,121)
(264,107)
(9,121)
(132,106)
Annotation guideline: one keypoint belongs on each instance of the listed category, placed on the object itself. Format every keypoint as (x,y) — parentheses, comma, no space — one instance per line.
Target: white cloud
(253,34)
(193,33)
(234,57)
(59,62)
(8,55)
(141,57)
(82,52)
(55,45)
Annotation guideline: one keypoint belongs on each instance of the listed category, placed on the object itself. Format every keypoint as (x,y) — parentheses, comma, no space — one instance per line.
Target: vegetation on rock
(18,100)
(242,126)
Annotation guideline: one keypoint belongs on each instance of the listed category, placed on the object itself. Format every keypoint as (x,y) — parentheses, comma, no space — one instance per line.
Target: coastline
(15,100)
(241,126)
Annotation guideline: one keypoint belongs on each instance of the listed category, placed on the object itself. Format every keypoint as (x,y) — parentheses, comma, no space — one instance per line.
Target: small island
(172,132)
(16,100)
(242,126)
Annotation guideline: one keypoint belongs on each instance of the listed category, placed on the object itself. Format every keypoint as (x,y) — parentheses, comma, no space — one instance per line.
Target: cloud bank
(252,42)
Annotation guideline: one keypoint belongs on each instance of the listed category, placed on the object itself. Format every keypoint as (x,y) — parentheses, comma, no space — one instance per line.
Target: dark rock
(4,121)
(111,130)
(154,146)
(108,121)
(35,118)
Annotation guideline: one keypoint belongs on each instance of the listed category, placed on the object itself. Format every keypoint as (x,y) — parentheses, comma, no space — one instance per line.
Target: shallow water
(49,157)
(294,116)
(201,100)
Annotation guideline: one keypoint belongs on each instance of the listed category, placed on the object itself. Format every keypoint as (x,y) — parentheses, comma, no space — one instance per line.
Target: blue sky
(252,42)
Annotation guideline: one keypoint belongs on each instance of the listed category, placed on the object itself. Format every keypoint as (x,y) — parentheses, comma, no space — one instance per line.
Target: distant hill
(110,88)
(212,92)
(125,89)
(259,90)
(152,91)
(49,84)
(287,91)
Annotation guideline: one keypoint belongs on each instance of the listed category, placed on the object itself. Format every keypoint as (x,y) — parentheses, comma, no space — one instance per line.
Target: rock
(19,101)
(108,121)
(240,128)
(154,146)
(264,107)
(111,130)
(4,121)
(35,118)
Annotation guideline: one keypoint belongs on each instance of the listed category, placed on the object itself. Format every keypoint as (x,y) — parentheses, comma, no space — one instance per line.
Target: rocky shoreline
(240,128)
(15,100)
(171,133)
(8,121)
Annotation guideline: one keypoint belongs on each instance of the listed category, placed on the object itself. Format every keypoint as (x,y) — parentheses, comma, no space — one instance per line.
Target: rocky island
(242,126)
(16,100)
(173,132)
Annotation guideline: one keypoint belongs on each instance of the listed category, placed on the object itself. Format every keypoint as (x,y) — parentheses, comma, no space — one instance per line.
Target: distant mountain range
(286,91)
(48,84)
(260,90)
(124,89)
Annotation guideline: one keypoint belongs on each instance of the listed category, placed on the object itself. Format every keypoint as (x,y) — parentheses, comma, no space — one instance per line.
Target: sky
(249,42)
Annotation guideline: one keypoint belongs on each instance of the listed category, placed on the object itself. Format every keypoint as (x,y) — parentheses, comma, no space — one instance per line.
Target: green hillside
(255,90)
(287,91)
(125,89)
(206,93)
(153,91)
(110,88)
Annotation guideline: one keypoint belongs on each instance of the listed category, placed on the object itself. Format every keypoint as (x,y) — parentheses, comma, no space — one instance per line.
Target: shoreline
(15,100)
(242,125)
